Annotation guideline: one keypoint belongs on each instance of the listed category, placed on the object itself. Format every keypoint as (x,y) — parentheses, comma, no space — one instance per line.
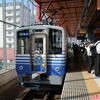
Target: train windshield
(39,45)
(23,42)
(55,41)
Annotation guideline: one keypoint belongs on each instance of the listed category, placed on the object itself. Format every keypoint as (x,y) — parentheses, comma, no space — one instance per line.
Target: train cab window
(23,43)
(55,41)
(39,45)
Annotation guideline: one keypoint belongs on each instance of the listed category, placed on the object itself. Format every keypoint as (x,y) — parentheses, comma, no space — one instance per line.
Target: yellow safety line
(92,88)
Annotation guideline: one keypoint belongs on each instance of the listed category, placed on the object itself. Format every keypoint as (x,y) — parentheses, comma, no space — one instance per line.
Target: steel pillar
(14,22)
(33,16)
(28,12)
(4,34)
(22,12)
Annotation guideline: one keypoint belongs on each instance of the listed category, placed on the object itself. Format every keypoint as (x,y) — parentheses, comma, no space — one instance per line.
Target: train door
(38,53)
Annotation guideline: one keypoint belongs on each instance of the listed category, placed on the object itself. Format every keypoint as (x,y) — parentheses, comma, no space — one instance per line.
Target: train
(41,56)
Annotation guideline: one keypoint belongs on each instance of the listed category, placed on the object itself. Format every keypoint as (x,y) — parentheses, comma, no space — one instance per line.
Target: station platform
(7,75)
(79,84)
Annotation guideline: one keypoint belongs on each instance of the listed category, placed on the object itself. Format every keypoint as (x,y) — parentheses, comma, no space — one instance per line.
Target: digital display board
(23,34)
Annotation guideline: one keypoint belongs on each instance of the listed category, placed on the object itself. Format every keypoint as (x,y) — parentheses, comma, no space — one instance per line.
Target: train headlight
(22,83)
(21,67)
(57,69)
(38,60)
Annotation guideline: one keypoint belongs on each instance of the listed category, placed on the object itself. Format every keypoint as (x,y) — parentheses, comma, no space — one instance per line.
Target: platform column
(98,4)
(14,18)
(4,34)
(22,13)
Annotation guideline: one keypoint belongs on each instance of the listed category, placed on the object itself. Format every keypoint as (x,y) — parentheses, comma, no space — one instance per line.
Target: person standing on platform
(75,49)
(97,65)
(90,57)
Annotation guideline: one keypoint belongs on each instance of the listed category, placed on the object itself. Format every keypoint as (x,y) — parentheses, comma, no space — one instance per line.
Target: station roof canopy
(65,13)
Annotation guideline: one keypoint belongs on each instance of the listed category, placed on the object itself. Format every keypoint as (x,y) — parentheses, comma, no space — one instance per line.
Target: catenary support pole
(4,34)
(14,22)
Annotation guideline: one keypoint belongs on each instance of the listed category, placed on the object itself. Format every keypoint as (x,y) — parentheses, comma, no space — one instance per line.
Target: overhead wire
(9,23)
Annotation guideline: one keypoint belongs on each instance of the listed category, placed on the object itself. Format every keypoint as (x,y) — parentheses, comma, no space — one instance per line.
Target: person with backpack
(90,57)
(97,65)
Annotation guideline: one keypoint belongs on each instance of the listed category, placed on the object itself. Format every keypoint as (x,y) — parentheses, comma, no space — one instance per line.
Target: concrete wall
(7,76)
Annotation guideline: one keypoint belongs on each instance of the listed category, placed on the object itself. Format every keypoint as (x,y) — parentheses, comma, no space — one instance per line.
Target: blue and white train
(41,56)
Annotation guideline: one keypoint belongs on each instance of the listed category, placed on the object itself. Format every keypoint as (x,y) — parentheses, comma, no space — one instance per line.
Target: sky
(25,2)
(9,0)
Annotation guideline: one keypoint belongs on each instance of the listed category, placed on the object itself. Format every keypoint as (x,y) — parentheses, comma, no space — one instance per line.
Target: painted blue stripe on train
(22,56)
(55,63)
(47,59)
(47,62)
(55,60)
(22,62)
(47,56)
(55,57)
(23,59)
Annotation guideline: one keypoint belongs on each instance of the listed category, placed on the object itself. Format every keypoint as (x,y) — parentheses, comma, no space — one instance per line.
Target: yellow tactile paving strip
(92,88)
(74,87)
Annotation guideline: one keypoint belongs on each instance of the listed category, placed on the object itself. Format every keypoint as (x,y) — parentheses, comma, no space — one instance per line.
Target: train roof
(39,27)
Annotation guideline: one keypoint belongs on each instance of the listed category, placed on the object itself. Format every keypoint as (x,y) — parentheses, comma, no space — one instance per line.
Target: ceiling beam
(60,1)
(66,8)
(46,9)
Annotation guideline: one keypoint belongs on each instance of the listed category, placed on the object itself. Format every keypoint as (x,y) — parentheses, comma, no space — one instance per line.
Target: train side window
(55,41)
(22,45)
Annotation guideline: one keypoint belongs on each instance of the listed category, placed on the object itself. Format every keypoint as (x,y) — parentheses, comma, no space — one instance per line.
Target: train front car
(41,56)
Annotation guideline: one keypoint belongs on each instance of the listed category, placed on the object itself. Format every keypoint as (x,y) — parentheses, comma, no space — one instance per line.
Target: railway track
(37,95)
